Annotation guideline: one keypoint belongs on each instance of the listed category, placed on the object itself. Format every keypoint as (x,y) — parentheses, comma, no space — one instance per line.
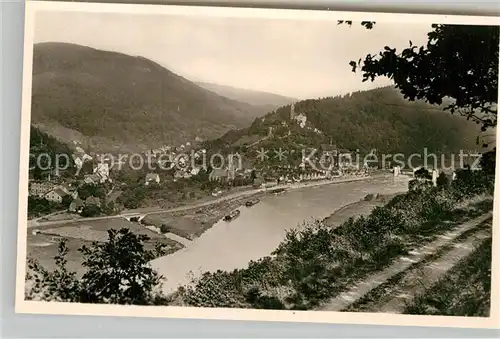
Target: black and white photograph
(258,164)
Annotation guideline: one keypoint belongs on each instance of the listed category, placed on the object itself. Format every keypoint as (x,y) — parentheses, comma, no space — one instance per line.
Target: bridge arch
(134,216)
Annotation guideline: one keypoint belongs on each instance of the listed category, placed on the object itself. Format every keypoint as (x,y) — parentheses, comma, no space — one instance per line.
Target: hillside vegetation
(377,119)
(112,99)
(44,153)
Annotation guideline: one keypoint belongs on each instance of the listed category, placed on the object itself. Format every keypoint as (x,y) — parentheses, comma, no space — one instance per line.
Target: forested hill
(118,101)
(44,151)
(377,119)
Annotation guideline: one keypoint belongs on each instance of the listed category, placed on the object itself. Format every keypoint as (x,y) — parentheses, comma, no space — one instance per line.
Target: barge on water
(250,203)
(233,215)
(278,191)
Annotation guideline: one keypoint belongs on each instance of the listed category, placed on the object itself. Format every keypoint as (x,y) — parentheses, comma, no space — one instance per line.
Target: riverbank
(249,192)
(204,202)
(230,244)
(357,209)
(192,223)
(315,264)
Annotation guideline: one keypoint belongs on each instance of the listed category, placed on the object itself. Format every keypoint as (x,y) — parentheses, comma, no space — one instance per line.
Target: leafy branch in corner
(458,67)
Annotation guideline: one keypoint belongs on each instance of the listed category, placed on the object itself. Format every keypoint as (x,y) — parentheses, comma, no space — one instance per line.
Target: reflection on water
(260,228)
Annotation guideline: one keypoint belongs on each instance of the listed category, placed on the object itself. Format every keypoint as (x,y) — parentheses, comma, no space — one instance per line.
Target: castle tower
(292,112)
(270,132)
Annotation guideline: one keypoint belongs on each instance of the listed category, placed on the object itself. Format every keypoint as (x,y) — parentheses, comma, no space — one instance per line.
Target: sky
(299,59)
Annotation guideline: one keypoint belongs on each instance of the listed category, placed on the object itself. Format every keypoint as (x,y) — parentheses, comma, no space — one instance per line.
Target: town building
(92,179)
(56,195)
(113,196)
(86,157)
(69,189)
(152,178)
(66,188)
(74,194)
(218,174)
(39,189)
(301,119)
(195,171)
(102,169)
(76,206)
(78,162)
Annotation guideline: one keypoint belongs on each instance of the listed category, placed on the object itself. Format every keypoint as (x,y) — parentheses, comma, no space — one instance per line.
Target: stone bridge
(134,216)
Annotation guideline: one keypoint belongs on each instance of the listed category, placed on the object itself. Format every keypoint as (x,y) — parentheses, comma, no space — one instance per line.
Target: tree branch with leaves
(458,67)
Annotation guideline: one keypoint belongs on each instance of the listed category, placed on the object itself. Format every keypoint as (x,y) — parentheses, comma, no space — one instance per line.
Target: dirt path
(344,300)
(394,297)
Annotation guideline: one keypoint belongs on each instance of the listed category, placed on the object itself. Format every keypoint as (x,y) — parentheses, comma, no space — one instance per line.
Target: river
(260,228)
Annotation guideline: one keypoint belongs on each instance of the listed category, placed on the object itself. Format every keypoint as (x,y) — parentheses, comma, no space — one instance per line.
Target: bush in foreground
(117,272)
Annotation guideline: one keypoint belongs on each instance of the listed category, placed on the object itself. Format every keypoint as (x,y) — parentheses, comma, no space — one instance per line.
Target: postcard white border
(23,306)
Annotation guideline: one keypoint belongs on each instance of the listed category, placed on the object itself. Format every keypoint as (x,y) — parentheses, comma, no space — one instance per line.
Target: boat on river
(278,191)
(233,215)
(250,203)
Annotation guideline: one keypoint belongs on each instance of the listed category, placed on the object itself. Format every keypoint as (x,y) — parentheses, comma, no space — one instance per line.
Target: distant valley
(268,101)
(112,101)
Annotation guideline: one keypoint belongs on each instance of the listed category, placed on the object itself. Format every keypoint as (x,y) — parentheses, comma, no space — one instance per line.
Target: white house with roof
(195,171)
(152,178)
(102,169)
(76,206)
(92,179)
(56,195)
(301,120)
(218,174)
(78,162)
(86,157)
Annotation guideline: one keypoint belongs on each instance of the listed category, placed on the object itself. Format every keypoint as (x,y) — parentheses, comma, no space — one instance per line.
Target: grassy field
(44,246)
